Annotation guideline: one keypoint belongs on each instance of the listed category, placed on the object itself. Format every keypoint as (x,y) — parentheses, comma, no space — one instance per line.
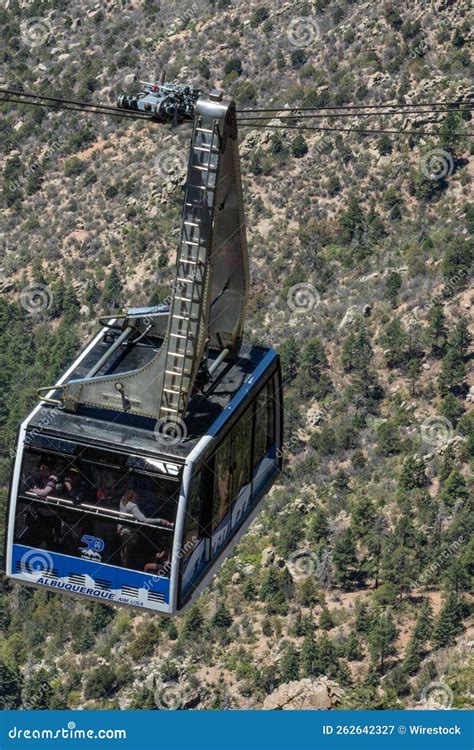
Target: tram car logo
(94,546)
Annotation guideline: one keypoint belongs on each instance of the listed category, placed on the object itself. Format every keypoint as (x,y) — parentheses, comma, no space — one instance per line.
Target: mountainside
(356,574)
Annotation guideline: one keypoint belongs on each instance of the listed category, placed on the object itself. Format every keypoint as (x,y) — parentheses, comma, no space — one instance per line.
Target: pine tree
(270,585)
(449,621)
(353,650)
(314,358)
(11,682)
(454,491)
(394,341)
(413,474)
(353,223)
(457,264)
(222,617)
(309,657)
(381,639)
(38,691)
(319,525)
(250,592)
(457,576)
(452,408)
(71,305)
(325,620)
(193,623)
(299,147)
(297,627)
(437,333)
(113,290)
(290,357)
(424,624)
(453,372)
(460,337)
(345,558)
(393,285)
(290,664)
(413,656)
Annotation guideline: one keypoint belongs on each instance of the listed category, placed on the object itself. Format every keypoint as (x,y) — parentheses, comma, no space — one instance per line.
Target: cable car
(141,468)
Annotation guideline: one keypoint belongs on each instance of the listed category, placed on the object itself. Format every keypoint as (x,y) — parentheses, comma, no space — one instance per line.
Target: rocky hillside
(351,588)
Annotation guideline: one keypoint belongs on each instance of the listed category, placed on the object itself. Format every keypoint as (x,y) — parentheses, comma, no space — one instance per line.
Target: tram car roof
(208,409)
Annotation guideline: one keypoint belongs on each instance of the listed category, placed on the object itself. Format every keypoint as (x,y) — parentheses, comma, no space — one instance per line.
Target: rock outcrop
(304,695)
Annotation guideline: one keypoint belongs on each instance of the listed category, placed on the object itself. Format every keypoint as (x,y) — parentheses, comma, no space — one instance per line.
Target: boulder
(304,695)
(352,313)
(268,556)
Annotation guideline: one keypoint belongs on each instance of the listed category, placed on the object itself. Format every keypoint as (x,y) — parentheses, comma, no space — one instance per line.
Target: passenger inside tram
(113,501)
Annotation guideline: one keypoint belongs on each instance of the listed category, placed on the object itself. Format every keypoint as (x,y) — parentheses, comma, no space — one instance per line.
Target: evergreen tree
(437,333)
(319,525)
(381,639)
(299,147)
(71,305)
(11,684)
(38,691)
(388,439)
(250,592)
(325,620)
(363,618)
(345,558)
(358,358)
(450,130)
(449,621)
(454,491)
(424,624)
(193,623)
(222,617)
(413,656)
(113,290)
(353,225)
(457,264)
(353,650)
(290,664)
(290,356)
(453,372)
(413,474)
(393,285)
(460,338)
(314,358)
(308,593)
(452,408)
(394,341)
(309,657)
(457,576)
